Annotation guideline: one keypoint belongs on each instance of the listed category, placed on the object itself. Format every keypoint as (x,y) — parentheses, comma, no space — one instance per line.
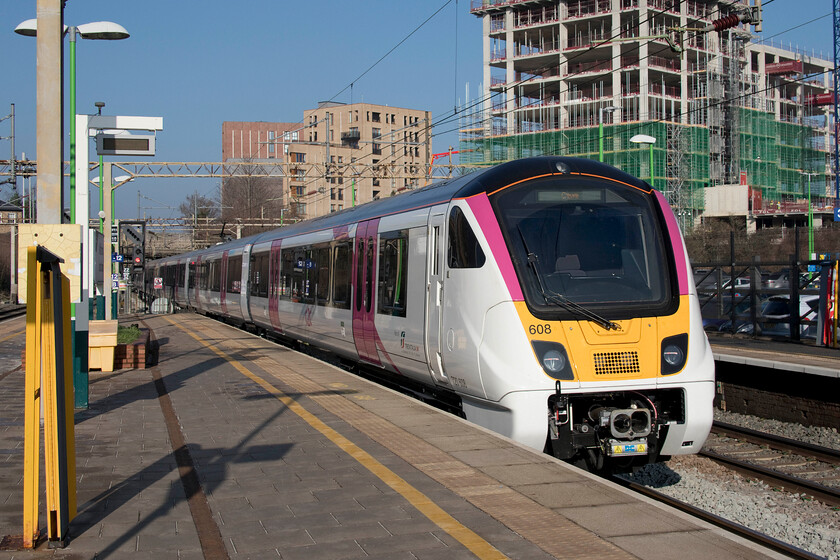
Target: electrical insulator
(726,22)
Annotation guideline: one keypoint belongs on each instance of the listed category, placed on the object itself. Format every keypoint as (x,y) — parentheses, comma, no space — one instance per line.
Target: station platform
(776,354)
(231,446)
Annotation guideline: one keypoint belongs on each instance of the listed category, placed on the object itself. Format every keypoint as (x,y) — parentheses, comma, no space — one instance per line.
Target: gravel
(792,518)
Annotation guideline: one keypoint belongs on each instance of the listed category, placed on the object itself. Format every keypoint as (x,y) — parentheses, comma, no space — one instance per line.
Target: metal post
(72,32)
(651,165)
(12,159)
(49,95)
(106,245)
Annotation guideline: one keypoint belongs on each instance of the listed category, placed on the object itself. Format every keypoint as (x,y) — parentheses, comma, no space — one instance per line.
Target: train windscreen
(580,242)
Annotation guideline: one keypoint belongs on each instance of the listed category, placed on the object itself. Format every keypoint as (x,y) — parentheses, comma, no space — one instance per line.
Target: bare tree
(254,200)
(200,207)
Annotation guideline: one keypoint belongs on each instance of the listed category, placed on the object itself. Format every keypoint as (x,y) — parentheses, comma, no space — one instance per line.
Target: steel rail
(780,443)
(825,494)
(731,526)
(12,311)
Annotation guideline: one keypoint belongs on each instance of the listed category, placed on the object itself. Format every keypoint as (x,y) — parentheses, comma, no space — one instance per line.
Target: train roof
(477,182)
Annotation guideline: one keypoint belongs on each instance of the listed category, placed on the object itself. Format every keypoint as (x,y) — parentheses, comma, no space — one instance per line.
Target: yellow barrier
(48,357)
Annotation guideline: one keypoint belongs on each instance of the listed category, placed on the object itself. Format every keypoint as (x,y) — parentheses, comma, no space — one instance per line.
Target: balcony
(351,138)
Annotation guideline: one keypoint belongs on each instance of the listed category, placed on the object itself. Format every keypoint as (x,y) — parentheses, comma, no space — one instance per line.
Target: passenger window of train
(191,282)
(341,276)
(360,271)
(464,250)
(287,266)
(234,275)
(182,269)
(393,271)
(259,274)
(371,248)
(322,276)
(215,276)
(307,266)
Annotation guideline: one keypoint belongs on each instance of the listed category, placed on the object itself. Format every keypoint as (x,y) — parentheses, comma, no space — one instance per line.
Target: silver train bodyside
(426,287)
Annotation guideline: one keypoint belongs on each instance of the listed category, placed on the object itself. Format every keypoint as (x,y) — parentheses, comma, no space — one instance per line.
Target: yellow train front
(594,333)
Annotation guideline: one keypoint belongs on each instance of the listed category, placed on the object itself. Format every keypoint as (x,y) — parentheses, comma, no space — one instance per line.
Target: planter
(133,355)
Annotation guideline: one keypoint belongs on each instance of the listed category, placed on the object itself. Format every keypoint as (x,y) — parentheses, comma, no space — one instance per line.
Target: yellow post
(32,407)
(48,329)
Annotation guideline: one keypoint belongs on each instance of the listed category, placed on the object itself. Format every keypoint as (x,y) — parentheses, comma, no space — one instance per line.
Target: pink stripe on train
(483,212)
(676,243)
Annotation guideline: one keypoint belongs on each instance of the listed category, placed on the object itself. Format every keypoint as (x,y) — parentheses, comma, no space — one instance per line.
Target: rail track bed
(780,462)
(11,311)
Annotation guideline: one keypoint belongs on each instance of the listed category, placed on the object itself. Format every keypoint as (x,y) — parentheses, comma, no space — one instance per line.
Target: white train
(547,298)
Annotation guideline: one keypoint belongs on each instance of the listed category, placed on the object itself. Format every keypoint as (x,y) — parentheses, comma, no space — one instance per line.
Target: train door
(274,288)
(364,280)
(245,284)
(435,253)
(223,283)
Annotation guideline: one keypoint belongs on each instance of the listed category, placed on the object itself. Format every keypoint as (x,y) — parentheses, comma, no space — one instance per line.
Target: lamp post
(608,109)
(650,141)
(97,30)
(810,216)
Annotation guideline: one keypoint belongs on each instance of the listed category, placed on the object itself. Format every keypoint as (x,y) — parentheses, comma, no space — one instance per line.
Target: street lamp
(97,30)
(608,109)
(650,141)
(810,216)
(118,180)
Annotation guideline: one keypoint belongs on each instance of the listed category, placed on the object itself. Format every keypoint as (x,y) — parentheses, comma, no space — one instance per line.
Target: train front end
(610,318)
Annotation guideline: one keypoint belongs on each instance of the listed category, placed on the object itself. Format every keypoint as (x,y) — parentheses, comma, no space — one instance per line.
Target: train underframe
(612,432)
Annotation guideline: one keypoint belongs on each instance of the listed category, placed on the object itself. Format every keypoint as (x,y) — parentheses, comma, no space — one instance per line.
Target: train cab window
(393,272)
(259,274)
(464,250)
(342,266)
(234,275)
(322,274)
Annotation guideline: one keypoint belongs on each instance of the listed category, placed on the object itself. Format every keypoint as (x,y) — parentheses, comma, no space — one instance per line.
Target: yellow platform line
(12,335)
(473,542)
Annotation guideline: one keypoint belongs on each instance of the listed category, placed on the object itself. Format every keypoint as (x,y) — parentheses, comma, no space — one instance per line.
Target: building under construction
(582,77)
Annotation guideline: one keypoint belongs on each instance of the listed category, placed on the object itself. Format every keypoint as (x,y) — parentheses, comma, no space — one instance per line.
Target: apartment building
(583,77)
(339,155)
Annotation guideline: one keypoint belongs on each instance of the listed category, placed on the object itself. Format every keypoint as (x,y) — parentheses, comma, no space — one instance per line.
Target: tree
(199,207)
(253,199)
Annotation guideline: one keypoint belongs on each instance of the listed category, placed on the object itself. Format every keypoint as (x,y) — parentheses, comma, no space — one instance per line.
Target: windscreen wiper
(562,300)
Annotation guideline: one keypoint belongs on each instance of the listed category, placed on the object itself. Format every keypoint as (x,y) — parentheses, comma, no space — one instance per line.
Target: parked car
(777,308)
(779,280)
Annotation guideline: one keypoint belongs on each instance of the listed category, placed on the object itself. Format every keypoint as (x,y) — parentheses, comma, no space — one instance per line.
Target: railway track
(11,311)
(780,462)
(731,526)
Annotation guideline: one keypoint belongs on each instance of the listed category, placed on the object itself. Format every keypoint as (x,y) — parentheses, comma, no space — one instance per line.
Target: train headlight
(674,353)
(553,359)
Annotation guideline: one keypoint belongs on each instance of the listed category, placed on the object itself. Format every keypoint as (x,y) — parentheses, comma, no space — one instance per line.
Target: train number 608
(540,329)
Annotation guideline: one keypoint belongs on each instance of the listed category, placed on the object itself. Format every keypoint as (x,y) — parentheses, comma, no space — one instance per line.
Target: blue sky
(198,64)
